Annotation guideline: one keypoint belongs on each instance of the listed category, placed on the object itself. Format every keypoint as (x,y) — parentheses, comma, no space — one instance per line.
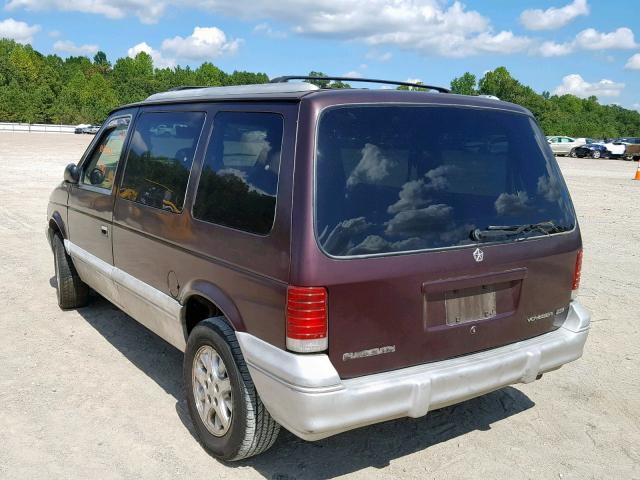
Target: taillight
(306,319)
(576,273)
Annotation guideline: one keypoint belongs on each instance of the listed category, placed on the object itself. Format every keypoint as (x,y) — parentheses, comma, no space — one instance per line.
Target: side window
(239,178)
(553,139)
(100,169)
(160,156)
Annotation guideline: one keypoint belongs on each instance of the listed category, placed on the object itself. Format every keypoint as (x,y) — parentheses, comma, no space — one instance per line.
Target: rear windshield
(402,178)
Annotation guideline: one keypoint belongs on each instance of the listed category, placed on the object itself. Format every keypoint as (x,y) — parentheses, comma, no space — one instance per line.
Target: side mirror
(71,173)
(96,177)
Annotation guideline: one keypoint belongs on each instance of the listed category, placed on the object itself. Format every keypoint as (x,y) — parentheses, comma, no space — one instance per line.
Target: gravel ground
(91,393)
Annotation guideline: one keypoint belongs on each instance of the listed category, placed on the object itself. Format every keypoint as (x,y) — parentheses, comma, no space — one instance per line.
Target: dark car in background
(590,150)
(326,259)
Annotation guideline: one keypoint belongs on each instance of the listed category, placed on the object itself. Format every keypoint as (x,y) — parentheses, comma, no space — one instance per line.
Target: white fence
(36,127)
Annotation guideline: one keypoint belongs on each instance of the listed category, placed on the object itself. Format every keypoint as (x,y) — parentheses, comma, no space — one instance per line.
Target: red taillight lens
(306,319)
(577,271)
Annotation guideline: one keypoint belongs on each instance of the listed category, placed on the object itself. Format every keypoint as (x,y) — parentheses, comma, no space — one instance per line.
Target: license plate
(470,304)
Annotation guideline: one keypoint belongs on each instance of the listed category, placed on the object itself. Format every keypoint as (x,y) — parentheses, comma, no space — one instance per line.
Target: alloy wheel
(212,390)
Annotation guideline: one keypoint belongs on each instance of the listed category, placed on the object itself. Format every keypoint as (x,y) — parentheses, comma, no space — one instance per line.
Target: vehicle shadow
(374,446)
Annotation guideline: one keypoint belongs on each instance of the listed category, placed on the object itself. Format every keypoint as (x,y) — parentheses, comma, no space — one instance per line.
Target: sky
(583,47)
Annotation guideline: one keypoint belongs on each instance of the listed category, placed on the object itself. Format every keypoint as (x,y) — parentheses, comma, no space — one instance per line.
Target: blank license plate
(470,304)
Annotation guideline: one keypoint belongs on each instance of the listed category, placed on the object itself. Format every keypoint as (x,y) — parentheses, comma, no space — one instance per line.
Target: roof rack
(286,78)
(184,87)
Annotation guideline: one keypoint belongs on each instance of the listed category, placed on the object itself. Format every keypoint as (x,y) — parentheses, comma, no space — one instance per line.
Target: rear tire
(573,154)
(596,154)
(71,291)
(245,428)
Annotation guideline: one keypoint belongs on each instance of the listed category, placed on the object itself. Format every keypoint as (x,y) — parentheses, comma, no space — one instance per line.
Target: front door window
(100,169)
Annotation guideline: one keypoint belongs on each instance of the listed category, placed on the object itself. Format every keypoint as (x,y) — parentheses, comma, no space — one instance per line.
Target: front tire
(596,154)
(229,418)
(71,291)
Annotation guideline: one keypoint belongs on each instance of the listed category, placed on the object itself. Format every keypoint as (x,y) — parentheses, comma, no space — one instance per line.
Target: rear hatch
(449,230)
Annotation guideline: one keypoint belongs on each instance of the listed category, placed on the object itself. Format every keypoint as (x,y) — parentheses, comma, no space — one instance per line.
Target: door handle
(104,230)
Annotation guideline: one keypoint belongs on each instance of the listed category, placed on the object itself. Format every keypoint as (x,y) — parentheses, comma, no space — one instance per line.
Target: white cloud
(353,74)
(204,43)
(634,62)
(67,46)
(425,26)
(148,11)
(589,39)
(269,31)
(554,17)
(636,106)
(159,60)
(434,27)
(575,85)
(55,33)
(21,32)
(553,49)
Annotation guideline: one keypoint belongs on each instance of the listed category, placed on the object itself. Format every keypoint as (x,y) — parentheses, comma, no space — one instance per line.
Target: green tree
(38,88)
(319,83)
(464,85)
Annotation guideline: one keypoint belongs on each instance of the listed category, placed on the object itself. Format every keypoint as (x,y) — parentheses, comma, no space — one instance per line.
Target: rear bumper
(305,394)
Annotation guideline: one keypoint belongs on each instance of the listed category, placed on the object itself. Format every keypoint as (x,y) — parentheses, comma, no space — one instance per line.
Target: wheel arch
(56,225)
(202,299)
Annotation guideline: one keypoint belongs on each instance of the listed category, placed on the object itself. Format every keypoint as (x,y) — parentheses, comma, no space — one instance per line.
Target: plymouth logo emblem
(478,255)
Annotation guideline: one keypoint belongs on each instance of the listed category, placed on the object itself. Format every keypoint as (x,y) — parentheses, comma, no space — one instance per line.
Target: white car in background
(563,145)
(616,147)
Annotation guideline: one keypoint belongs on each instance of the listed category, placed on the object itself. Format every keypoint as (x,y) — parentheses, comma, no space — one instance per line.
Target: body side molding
(149,306)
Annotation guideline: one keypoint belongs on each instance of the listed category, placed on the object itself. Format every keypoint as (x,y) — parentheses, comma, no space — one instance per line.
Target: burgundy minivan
(326,259)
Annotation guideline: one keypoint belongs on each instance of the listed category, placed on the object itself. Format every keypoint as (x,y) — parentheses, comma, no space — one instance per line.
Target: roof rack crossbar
(286,78)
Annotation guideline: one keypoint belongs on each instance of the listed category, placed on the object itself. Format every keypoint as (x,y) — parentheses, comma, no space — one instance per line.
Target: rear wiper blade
(497,231)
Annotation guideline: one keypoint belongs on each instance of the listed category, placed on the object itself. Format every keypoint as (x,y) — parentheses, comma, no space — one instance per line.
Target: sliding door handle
(104,230)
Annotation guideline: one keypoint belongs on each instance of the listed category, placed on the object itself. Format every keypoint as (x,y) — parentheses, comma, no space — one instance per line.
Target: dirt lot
(91,394)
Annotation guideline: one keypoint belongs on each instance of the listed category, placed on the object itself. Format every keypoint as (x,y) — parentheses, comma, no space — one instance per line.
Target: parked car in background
(632,147)
(588,141)
(81,128)
(590,150)
(563,145)
(92,129)
(326,259)
(616,148)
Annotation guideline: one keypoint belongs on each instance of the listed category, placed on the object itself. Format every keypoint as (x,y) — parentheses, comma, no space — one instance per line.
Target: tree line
(39,88)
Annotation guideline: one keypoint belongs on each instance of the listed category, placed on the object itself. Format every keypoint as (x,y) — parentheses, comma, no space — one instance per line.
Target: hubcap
(212,390)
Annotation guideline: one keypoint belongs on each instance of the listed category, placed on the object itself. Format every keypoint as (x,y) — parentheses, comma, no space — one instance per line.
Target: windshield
(402,178)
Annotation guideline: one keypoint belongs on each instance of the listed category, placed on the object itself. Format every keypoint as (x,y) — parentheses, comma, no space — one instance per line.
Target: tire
(573,154)
(628,158)
(251,430)
(596,154)
(71,291)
